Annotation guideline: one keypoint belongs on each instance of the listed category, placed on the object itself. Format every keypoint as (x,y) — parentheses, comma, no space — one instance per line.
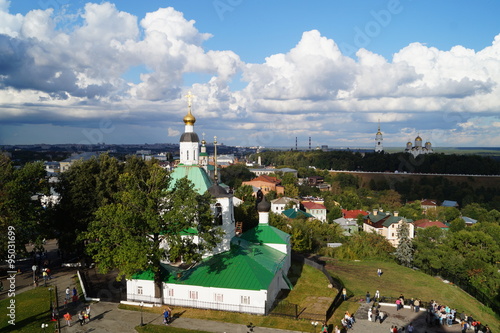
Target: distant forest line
(384,162)
(463,189)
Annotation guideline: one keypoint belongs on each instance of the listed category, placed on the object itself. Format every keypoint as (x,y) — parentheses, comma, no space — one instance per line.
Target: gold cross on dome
(189,98)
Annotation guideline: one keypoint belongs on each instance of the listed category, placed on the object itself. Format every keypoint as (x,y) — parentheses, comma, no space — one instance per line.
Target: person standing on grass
(368,297)
(344,293)
(379,272)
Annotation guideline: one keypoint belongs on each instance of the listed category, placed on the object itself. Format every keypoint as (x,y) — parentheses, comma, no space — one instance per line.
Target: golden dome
(379,133)
(189,119)
(418,138)
(203,142)
(428,143)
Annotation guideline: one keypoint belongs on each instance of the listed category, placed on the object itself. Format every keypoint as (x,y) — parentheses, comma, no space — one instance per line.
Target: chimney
(375,211)
(381,210)
(396,213)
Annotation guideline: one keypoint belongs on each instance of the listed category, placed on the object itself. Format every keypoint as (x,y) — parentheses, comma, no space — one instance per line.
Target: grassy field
(361,276)
(32,310)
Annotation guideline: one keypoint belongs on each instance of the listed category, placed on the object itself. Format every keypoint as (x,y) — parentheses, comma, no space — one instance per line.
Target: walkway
(398,318)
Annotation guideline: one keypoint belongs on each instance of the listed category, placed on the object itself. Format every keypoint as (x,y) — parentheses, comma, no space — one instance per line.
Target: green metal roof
(246,266)
(293,213)
(264,233)
(195,174)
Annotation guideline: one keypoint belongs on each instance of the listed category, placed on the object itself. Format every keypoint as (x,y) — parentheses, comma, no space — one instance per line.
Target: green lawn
(32,310)
(361,276)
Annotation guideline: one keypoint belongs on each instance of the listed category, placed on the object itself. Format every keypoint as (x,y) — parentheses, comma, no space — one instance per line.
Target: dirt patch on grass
(315,307)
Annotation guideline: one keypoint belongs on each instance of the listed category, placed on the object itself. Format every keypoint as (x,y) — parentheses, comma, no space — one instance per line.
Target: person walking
(67,317)
(377,296)
(344,293)
(368,297)
(80,318)
(87,311)
(379,272)
(417,305)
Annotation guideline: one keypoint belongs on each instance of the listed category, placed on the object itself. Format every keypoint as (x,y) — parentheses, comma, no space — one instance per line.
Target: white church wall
(141,291)
(248,301)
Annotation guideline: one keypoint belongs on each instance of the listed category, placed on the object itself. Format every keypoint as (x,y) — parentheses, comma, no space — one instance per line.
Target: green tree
(457,224)
(20,207)
(235,174)
(404,251)
(127,234)
(291,191)
(77,188)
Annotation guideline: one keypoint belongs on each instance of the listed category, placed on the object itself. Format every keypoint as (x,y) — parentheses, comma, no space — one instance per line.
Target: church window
(139,290)
(187,154)
(219,298)
(245,300)
(218,214)
(193,294)
(170,292)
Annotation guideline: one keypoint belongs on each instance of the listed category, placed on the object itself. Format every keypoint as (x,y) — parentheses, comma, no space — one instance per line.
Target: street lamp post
(50,297)
(314,324)
(33,268)
(142,322)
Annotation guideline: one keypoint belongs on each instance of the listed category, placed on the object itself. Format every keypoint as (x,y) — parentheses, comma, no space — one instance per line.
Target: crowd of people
(440,314)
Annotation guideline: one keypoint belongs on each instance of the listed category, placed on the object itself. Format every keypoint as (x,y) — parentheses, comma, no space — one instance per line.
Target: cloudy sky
(262,72)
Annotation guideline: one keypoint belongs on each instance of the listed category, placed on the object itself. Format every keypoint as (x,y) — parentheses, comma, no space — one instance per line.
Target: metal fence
(192,303)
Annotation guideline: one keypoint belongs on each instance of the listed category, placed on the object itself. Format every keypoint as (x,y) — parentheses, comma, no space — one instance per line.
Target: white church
(418,149)
(244,273)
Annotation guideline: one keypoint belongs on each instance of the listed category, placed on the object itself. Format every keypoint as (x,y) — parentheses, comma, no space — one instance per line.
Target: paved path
(398,318)
(106,317)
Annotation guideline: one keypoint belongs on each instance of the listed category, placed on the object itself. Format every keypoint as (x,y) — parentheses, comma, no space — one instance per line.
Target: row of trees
(116,213)
(377,162)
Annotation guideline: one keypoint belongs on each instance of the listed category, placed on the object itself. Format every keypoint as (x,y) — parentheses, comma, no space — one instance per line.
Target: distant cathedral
(418,149)
(379,147)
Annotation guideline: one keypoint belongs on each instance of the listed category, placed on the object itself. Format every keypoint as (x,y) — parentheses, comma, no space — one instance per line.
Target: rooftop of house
(380,219)
(469,220)
(426,223)
(428,202)
(449,203)
(353,214)
(283,201)
(266,179)
(312,205)
(293,213)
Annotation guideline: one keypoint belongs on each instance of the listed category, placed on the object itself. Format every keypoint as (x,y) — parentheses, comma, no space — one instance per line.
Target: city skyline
(262,73)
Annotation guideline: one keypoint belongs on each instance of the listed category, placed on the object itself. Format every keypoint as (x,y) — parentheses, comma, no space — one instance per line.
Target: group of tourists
(401,329)
(348,320)
(439,314)
(83,317)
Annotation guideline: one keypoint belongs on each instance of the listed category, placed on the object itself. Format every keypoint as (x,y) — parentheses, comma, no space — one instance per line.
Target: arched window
(218,214)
